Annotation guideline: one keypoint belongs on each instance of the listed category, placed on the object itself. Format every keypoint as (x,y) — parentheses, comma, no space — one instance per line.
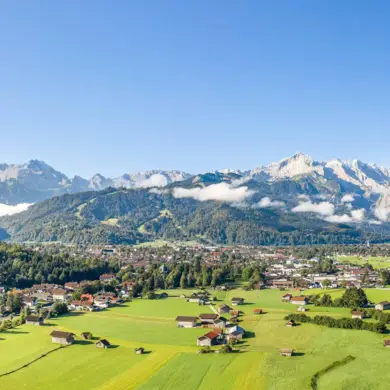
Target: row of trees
(352,297)
(342,323)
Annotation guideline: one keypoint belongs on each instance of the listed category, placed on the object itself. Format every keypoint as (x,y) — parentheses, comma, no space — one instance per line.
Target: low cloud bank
(268,203)
(222,192)
(348,198)
(356,216)
(323,208)
(9,210)
(156,180)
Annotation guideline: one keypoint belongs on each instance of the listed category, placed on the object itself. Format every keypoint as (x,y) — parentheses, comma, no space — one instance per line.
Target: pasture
(171,361)
(377,262)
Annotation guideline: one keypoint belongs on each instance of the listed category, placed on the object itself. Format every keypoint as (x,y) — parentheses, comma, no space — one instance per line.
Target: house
(86,335)
(71,285)
(298,300)
(286,297)
(237,301)
(208,339)
(290,324)
(64,338)
(81,305)
(107,278)
(384,305)
(59,294)
(207,319)
(224,309)
(357,314)
(386,343)
(186,321)
(235,336)
(103,344)
(34,320)
(286,352)
(29,301)
(257,311)
(280,283)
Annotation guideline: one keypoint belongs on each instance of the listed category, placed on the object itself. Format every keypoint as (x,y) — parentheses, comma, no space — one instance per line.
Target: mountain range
(297,200)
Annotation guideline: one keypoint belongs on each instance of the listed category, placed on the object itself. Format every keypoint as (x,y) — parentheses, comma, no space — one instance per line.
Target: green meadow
(171,361)
(376,261)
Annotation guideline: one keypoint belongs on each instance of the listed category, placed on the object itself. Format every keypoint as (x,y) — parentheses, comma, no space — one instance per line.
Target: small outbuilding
(64,338)
(186,321)
(34,320)
(386,343)
(140,351)
(384,305)
(298,300)
(237,301)
(286,352)
(103,343)
(86,335)
(357,314)
(257,311)
(290,324)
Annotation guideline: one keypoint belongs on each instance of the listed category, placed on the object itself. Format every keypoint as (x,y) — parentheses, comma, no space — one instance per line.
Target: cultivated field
(172,363)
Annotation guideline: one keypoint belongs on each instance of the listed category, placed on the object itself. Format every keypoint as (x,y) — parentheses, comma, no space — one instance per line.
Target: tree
(60,308)
(354,297)
(326,283)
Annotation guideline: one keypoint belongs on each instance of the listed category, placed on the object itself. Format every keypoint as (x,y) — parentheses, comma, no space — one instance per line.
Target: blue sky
(198,85)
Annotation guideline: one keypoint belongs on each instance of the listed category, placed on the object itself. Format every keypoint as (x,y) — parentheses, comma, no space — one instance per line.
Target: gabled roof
(299,299)
(212,335)
(34,318)
(104,342)
(186,319)
(61,335)
(208,316)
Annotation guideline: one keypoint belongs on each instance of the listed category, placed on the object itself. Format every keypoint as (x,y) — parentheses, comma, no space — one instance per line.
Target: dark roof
(208,316)
(104,342)
(237,299)
(186,319)
(60,334)
(34,318)
(383,303)
(86,333)
(235,333)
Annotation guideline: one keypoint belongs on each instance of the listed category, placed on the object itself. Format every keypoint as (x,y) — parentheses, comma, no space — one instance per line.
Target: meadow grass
(376,261)
(172,363)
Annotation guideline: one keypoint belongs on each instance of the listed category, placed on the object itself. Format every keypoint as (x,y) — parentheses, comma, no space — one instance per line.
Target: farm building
(207,318)
(302,308)
(385,305)
(257,311)
(186,321)
(299,300)
(290,324)
(235,336)
(219,323)
(209,338)
(357,314)
(234,328)
(34,320)
(103,344)
(386,343)
(59,337)
(140,351)
(86,335)
(224,309)
(286,352)
(237,301)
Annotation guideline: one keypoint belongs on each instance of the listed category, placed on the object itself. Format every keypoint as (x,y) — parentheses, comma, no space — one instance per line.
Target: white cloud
(267,202)
(348,198)
(156,180)
(375,222)
(355,217)
(323,208)
(223,192)
(303,197)
(9,210)
(158,191)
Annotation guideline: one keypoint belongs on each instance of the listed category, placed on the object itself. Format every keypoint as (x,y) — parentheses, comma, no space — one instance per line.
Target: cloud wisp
(348,198)
(323,208)
(222,192)
(10,210)
(355,217)
(156,180)
(268,203)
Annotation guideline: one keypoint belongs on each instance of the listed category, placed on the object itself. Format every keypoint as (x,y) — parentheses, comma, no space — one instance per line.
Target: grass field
(172,363)
(376,261)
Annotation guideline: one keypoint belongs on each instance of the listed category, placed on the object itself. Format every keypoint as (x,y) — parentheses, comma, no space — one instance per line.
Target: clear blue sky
(119,86)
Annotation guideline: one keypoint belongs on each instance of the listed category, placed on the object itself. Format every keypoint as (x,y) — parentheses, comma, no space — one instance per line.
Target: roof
(208,316)
(386,342)
(235,333)
(212,335)
(59,291)
(300,299)
(286,350)
(383,303)
(85,333)
(61,335)
(257,310)
(287,295)
(104,342)
(357,313)
(237,299)
(33,318)
(186,319)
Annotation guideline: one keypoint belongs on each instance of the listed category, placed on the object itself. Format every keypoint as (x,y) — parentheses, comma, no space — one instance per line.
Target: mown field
(376,261)
(171,361)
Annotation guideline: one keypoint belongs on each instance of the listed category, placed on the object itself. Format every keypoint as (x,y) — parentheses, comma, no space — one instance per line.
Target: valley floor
(171,361)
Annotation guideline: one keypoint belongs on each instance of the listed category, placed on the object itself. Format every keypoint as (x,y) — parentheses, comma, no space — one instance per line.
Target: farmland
(171,361)
(377,262)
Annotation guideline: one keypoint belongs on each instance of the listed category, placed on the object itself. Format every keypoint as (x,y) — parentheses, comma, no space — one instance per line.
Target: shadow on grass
(250,335)
(12,331)
(47,324)
(83,342)
(298,354)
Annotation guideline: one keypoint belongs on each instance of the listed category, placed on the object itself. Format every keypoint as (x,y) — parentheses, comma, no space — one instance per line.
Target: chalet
(257,311)
(34,320)
(86,335)
(103,344)
(357,314)
(208,339)
(206,319)
(59,294)
(286,352)
(71,285)
(107,278)
(64,338)
(237,301)
(386,343)
(385,305)
(290,324)
(224,309)
(298,300)
(186,321)
(235,336)
(287,297)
